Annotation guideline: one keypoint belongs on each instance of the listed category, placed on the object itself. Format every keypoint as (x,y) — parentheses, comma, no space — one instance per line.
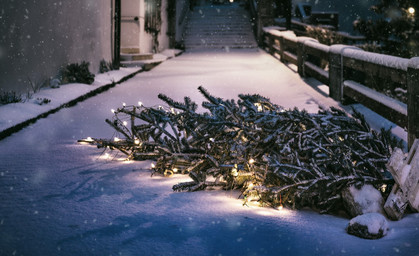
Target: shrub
(105,66)
(324,36)
(77,73)
(9,97)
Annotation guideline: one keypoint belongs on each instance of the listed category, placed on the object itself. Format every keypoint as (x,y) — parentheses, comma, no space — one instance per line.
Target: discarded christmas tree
(275,156)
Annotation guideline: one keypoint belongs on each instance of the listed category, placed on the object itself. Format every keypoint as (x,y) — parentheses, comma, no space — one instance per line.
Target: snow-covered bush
(77,73)
(9,97)
(324,36)
(105,66)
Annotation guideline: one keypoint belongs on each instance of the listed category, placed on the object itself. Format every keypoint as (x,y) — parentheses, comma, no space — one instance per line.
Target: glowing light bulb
(116,139)
(175,169)
(137,141)
(125,123)
(280,207)
(234,172)
(411,10)
(259,106)
(113,110)
(251,161)
(140,104)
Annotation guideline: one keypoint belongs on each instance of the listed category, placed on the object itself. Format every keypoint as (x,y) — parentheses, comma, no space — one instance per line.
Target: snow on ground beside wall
(63,198)
(12,114)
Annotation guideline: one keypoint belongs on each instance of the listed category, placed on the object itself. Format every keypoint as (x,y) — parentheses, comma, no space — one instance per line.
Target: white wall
(39,36)
(146,39)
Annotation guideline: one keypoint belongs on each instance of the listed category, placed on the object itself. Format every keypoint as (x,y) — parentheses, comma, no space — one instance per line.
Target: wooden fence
(349,73)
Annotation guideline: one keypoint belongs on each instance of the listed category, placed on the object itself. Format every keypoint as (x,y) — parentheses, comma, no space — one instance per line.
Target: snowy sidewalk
(62,198)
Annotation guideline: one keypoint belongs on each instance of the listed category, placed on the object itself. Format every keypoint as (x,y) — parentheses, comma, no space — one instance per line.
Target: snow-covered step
(136,56)
(219,27)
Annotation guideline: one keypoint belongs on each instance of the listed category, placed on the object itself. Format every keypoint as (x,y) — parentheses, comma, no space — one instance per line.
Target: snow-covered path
(62,198)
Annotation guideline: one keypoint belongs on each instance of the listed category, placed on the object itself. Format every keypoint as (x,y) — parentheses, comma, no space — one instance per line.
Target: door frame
(117,34)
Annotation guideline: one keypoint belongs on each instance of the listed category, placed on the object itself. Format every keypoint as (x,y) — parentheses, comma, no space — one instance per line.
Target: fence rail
(349,73)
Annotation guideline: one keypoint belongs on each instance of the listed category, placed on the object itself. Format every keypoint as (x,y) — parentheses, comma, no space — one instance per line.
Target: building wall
(39,36)
(146,39)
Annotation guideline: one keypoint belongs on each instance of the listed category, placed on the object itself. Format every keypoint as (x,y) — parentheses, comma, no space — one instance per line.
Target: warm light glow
(259,106)
(137,141)
(175,169)
(153,165)
(116,139)
(411,10)
(251,161)
(89,139)
(280,207)
(140,104)
(234,172)
(113,110)
(231,1)
(172,110)
(124,104)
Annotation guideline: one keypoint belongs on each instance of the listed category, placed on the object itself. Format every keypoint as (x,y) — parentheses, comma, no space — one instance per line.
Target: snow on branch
(275,156)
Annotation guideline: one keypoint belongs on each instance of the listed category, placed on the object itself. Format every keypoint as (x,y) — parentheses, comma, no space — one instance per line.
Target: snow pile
(367,199)
(370,226)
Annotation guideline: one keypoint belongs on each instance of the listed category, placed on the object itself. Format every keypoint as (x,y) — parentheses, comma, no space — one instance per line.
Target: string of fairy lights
(276,157)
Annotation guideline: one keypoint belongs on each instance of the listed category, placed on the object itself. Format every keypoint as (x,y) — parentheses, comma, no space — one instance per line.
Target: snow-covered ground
(13,114)
(59,197)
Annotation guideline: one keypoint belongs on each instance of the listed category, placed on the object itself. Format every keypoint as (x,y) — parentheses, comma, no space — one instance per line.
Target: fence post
(302,54)
(265,17)
(271,41)
(413,100)
(336,72)
(281,48)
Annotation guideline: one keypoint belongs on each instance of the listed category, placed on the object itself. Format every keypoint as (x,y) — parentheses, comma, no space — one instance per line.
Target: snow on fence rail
(350,71)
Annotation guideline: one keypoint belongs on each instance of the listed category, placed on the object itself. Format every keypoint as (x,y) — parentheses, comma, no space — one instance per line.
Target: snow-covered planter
(369,226)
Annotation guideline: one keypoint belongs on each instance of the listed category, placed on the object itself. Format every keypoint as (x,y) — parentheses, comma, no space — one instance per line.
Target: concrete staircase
(219,26)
